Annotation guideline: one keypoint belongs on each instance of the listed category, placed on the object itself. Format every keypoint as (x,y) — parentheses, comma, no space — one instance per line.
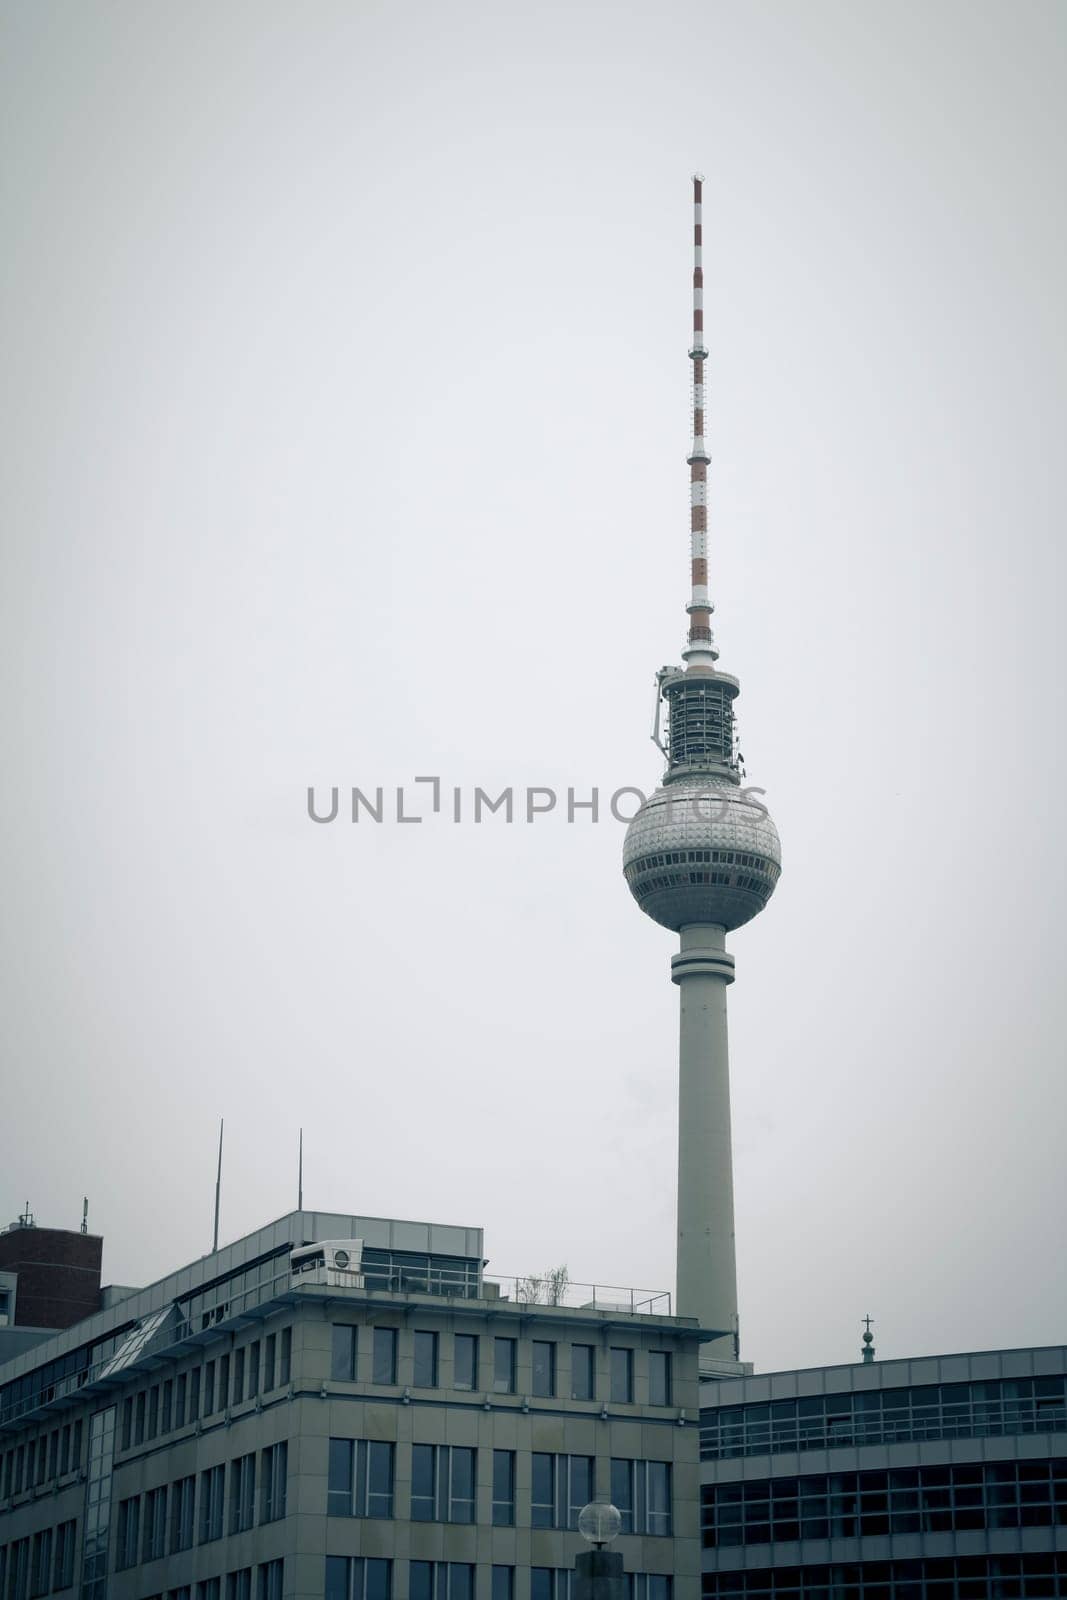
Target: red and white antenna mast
(701,649)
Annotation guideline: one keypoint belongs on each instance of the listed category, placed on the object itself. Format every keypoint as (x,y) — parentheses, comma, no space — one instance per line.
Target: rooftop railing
(554,1289)
(461,1282)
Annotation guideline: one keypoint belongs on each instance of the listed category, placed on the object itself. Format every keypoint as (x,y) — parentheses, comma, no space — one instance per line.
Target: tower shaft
(707,1272)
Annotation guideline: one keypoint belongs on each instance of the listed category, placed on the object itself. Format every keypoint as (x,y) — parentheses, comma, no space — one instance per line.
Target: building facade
(49,1277)
(898,1480)
(242,1430)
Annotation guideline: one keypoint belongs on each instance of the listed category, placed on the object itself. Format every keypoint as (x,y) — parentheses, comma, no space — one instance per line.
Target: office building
(372,1418)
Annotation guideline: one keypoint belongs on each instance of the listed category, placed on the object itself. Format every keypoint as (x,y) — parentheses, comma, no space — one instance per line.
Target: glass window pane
(659,1378)
(384,1355)
(544,1368)
(422,1483)
(425,1374)
(343,1353)
(465,1375)
(582,1370)
(581,1487)
(460,1581)
(504,1366)
(339,1489)
(622,1374)
(622,1492)
(461,1508)
(378,1578)
(503,1488)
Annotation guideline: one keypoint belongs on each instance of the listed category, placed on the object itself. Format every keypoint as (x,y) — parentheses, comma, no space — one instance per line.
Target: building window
(465,1365)
(63,1572)
(64,1451)
(503,1488)
(560,1486)
(222,1399)
(343,1343)
(154,1545)
(583,1372)
(253,1370)
(209,1388)
(41,1563)
(269,1586)
(425,1370)
(239,1381)
(209,1589)
(17,1576)
(358,1578)
(622,1374)
(648,1586)
(442,1483)
(270,1345)
(243,1493)
(986,1409)
(504,1366)
(641,1490)
(179,1401)
(503,1584)
(182,1509)
(194,1395)
(166,1405)
(275,1465)
(544,1368)
(928,1499)
(212,1483)
(152,1419)
(550,1583)
(285,1357)
(360,1482)
(128,1551)
(126,1435)
(384,1348)
(239,1584)
(440,1580)
(139,1418)
(659,1378)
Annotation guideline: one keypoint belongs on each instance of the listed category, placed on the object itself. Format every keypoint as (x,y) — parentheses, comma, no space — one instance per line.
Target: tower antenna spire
(701,649)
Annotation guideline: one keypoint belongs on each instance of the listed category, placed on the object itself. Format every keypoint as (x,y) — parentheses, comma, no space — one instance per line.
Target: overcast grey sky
(344,430)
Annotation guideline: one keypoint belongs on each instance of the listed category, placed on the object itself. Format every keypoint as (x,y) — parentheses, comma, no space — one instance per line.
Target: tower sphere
(702,850)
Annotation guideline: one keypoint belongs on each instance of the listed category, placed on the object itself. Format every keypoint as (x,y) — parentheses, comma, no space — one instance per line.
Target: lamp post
(598,1573)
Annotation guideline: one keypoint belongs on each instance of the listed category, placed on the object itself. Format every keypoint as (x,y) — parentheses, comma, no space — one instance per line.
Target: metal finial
(868,1340)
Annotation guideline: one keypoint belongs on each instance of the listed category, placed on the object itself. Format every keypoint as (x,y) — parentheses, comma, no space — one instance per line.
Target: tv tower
(702,857)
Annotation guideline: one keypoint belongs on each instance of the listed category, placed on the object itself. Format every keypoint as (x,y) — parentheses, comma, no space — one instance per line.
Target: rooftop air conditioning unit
(337,1263)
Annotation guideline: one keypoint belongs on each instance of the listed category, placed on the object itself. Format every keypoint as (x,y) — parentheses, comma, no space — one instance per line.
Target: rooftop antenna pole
(85,1213)
(300,1176)
(218,1190)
